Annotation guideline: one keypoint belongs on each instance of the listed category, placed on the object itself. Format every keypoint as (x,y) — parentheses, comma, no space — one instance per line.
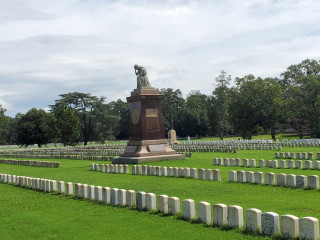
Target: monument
(172,137)
(147,142)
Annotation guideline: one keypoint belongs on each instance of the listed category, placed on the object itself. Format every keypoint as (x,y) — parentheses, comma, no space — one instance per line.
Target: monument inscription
(152,120)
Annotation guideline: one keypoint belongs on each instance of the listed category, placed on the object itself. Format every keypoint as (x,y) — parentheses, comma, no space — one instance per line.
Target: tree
(274,109)
(2,121)
(8,131)
(219,104)
(84,104)
(35,127)
(97,119)
(68,124)
(105,122)
(121,110)
(256,103)
(196,121)
(2,111)
(303,86)
(2,117)
(173,105)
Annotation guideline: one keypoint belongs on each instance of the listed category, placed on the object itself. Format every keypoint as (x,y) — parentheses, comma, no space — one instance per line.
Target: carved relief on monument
(152,120)
(135,116)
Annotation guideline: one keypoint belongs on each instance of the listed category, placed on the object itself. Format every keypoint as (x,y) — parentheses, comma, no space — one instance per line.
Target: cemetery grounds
(30,214)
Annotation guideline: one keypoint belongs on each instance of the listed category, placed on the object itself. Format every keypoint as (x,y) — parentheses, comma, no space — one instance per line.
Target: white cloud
(53,47)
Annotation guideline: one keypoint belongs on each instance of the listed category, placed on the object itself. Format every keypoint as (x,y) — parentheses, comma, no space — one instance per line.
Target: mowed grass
(29,214)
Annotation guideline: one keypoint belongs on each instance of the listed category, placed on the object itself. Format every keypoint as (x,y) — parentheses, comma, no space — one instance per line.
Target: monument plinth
(147,142)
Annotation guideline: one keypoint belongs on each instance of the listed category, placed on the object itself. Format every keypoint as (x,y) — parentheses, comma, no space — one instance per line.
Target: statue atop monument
(142,78)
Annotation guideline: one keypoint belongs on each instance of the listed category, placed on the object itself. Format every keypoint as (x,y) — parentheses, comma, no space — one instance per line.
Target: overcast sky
(52,47)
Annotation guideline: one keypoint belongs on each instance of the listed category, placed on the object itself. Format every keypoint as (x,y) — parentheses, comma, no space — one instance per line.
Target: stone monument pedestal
(147,141)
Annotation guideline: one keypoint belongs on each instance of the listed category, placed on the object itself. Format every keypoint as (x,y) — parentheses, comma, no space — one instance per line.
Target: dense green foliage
(35,127)
(254,105)
(2,120)
(68,124)
(303,91)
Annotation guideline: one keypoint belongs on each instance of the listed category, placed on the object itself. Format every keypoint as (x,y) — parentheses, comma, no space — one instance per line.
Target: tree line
(253,105)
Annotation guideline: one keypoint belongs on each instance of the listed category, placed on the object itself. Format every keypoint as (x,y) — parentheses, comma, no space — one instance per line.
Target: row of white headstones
(283,180)
(267,223)
(230,162)
(298,155)
(33,163)
(201,174)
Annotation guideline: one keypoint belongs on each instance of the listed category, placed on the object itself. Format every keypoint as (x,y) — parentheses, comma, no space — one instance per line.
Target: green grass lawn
(28,214)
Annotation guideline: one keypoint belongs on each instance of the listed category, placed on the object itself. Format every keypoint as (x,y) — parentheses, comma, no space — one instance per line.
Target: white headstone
(61,188)
(126,169)
(289,226)
(83,191)
(139,170)
(193,173)
(131,198)
(163,204)
(301,181)
(209,174)
(308,228)
(188,209)
(122,197)
(282,164)
(232,176)
(98,193)
(313,182)
(151,201)
(204,212)
(164,171)
(270,178)
(250,177)
(201,174)
(181,172)
(186,172)
(69,188)
(291,180)
(290,163)
(274,163)
(114,196)
(241,176)
(140,200)
(173,205)
(316,164)
(298,164)
(259,177)
(90,195)
(245,162)
(106,195)
(216,175)
(252,163)
(253,220)
(235,216)
(270,224)
(308,164)
(220,214)
(77,190)
(226,162)
(262,163)
(282,180)
(103,168)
